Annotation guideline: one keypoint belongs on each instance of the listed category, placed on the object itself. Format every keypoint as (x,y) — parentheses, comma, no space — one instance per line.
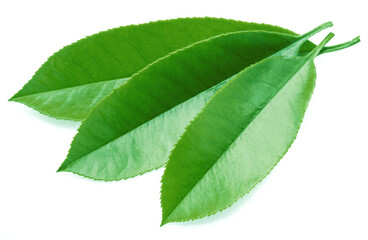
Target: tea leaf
(240,135)
(133,130)
(72,81)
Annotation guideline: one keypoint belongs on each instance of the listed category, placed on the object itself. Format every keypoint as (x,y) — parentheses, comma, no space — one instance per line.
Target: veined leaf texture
(142,120)
(218,101)
(256,116)
(72,81)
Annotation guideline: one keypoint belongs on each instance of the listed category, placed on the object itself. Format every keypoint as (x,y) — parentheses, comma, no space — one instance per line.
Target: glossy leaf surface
(133,130)
(73,80)
(238,137)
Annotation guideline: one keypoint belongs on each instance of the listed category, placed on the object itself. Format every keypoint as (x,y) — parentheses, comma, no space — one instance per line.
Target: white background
(318,190)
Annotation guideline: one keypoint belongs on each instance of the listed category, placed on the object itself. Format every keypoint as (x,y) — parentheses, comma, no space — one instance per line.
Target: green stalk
(340,46)
(320,46)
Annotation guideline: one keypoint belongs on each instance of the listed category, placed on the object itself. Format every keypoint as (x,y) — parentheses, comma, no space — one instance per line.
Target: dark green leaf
(133,130)
(73,80)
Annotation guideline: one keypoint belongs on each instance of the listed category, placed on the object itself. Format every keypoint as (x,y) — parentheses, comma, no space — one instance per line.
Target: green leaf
(72,81)
(133,130)
(239,136)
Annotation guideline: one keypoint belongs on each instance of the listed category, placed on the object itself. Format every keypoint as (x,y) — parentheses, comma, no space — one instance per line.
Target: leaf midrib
(143,124)
(66,88)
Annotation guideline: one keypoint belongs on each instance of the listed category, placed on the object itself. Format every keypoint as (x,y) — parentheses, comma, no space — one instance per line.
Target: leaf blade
(116,54)
(125,152)
(222,156)
(137,98)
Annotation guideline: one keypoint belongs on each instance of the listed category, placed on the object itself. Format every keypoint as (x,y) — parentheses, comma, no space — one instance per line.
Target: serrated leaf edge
(309,59)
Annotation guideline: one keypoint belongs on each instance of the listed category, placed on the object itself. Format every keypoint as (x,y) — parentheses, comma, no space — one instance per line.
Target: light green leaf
(133,130)
(72,81)
(238,137)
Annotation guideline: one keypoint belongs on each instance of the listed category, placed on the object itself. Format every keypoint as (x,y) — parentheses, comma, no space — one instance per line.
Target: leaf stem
(320,46)
(317,30)
(294,48)
(340,46)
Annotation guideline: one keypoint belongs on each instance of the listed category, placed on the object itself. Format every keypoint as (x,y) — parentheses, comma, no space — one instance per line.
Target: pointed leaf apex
(163,221)
(12,99)
(61,168)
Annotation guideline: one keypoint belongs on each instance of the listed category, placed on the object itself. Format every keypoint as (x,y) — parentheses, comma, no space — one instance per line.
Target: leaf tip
(163,222)
(165,217)
(12,99)
(16,96)
(62,168)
